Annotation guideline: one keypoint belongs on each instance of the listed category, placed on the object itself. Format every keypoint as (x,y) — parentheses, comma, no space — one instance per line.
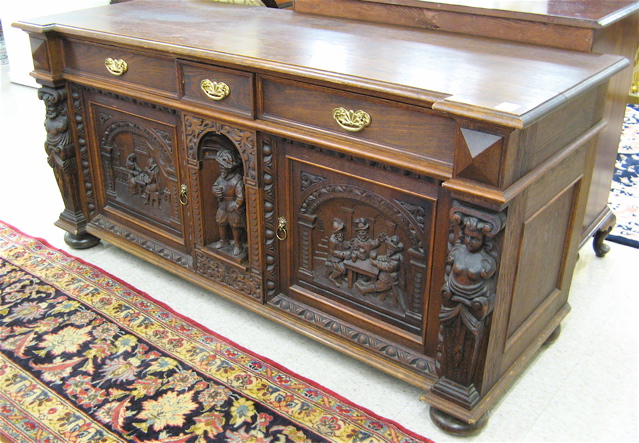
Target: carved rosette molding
(61,155)
(468,299)
(85,168)
(222,273)
(158,248)
(407,358)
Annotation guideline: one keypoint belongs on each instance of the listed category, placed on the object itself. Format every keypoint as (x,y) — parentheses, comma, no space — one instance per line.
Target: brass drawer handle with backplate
(352,121)
(215,90)
(116,67)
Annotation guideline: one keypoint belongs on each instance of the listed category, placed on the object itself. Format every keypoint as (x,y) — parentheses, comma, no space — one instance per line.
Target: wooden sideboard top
(496,81)
(582,13)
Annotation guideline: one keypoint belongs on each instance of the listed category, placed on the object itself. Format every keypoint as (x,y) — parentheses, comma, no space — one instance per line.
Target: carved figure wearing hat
(338,251)
(390,266)
(362,244)
(231,210)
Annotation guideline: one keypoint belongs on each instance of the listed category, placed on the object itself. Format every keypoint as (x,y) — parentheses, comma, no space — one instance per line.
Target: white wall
(17,41)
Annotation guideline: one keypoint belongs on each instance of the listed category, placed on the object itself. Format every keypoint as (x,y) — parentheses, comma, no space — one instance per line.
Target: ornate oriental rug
(86,358)
(624,196)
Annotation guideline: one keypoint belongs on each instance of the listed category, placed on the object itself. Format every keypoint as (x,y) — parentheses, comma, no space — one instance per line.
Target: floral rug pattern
(624,195)
(85,358)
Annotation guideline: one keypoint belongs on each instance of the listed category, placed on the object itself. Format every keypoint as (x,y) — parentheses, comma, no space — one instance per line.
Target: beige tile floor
(582,388)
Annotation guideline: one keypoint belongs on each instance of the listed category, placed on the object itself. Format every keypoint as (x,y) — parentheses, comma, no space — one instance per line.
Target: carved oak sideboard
(411,198)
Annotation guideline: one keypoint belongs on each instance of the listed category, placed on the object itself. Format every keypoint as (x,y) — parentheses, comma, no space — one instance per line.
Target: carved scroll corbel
(468,299)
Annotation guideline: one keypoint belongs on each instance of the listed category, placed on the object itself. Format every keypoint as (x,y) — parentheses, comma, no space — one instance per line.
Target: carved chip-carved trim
(364,162)
(331,191)
(158,248)
(244,141)
(407,358)
(85,166)
(133,100)
(243,282)
(468,299)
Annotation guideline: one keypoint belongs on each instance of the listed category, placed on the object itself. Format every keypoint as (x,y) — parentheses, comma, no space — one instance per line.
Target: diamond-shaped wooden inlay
(478,156)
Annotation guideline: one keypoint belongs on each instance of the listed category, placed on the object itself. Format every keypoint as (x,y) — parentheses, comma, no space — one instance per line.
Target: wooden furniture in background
(412,198)
(600,26)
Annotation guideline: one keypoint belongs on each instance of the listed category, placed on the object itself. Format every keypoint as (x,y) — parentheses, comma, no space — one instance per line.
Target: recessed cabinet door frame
(355,240)
(137,177)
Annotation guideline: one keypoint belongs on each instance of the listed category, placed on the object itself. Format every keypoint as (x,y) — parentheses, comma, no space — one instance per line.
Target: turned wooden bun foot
(553,336)
(84,241)
(455,426)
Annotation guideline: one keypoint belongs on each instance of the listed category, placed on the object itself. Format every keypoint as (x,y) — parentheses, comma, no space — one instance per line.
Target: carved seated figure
(390,266)
(338,251)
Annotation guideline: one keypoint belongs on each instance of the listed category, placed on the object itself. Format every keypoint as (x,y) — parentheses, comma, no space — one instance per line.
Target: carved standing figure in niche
(338,251)
(229,191)
(390,266)
(362,244)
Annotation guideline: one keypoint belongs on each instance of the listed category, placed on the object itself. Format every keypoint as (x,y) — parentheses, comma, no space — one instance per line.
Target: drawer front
(418,132)
(218,88)
(142,70)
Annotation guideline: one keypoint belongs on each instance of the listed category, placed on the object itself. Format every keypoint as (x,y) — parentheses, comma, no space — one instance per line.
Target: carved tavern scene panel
(137,144)
(357,239)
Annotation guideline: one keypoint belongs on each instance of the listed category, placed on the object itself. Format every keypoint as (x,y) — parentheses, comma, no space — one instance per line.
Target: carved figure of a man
(151,183)
(338,251)
(133,170)
(389,265)
(362,244)
(229,191)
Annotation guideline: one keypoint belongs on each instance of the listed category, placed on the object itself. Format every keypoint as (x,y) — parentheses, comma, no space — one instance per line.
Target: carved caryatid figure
(231,211)
(338,251)
(468,297)
(59,144)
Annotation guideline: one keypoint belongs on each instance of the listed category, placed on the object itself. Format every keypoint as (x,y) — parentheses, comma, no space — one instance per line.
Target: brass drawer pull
(215,90)
(352,121)
(116,67)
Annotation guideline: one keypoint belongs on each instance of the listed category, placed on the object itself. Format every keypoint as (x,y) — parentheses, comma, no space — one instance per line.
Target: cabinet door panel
(139,183)
(359,241)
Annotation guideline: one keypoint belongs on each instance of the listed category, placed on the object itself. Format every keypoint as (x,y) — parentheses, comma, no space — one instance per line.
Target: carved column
(468,299)
(61,156)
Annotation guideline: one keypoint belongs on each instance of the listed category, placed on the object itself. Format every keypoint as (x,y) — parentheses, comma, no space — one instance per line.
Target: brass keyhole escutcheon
(281,233)
(184,196)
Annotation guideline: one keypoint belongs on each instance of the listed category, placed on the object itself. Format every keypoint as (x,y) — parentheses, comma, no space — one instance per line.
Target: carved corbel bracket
(468,299)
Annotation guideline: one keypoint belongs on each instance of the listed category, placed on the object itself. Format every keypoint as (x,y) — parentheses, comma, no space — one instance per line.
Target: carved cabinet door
(137,184)
(355,241)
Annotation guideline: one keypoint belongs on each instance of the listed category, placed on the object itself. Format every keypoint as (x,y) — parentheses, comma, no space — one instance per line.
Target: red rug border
(223,338)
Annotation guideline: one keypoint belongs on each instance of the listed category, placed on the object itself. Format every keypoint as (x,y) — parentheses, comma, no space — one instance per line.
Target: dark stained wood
(411,198)
(600,26)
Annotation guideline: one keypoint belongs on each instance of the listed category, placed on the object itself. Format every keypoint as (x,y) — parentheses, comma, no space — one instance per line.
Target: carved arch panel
(359,244)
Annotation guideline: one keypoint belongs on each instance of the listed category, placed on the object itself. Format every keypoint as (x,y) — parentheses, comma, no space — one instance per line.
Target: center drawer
(397,127)
(118,65)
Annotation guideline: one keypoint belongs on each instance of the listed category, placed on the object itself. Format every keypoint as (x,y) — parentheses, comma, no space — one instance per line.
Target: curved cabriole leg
(601,249)
(455,426)
(84,241)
